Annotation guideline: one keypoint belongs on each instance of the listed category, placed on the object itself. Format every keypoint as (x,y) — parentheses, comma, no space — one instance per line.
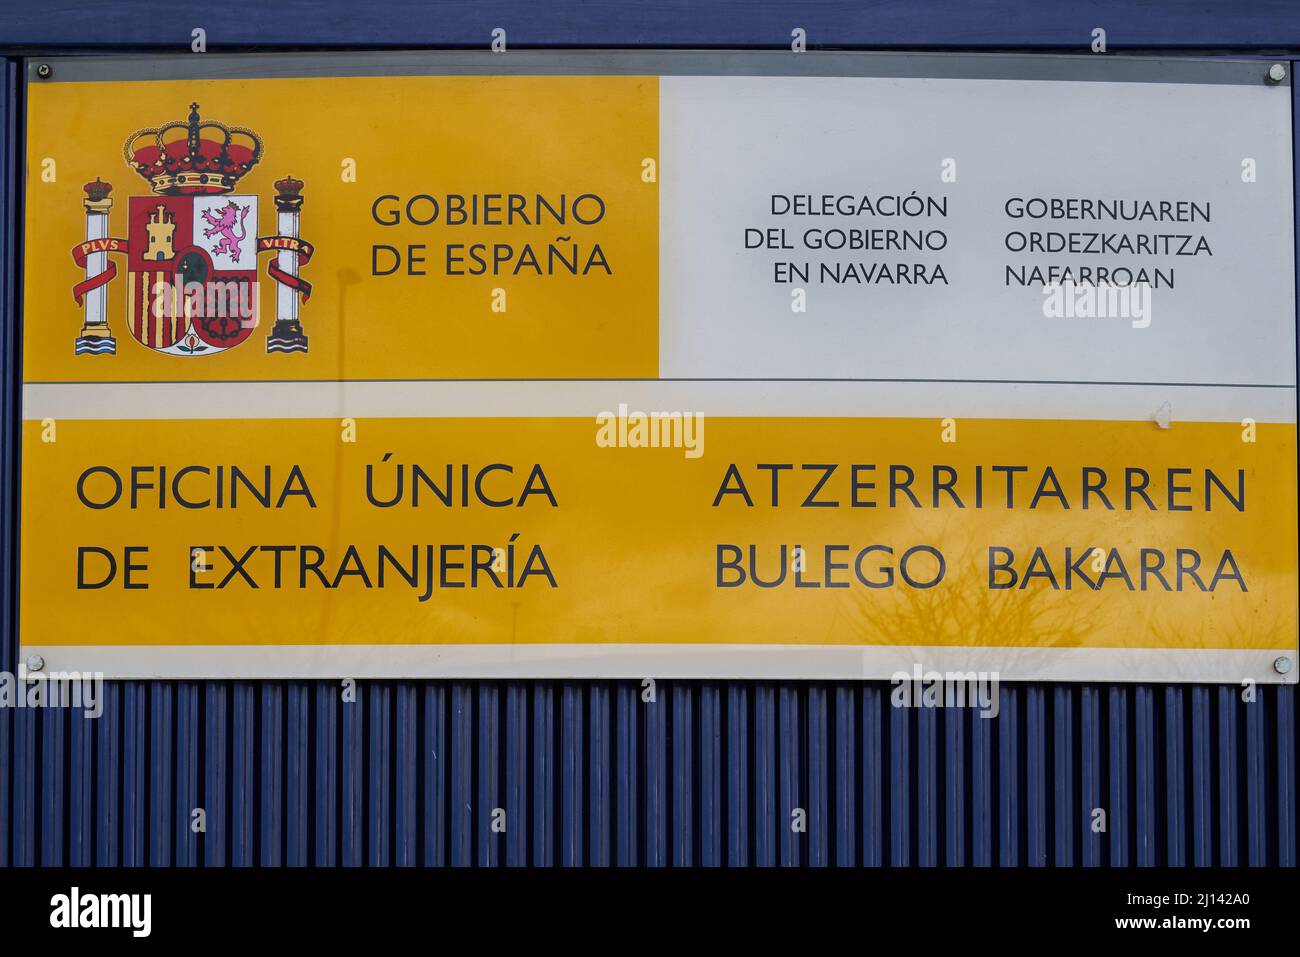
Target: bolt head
(1282,665)
(45,71)
(1276,73)
(35,662)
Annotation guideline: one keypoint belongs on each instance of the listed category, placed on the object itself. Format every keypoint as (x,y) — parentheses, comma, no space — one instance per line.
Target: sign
(680,365)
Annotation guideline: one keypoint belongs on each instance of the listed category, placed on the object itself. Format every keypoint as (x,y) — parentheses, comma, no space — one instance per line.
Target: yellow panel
(632,542)
(558,137)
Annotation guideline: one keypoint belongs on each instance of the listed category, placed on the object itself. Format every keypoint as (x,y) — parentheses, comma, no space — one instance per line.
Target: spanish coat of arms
(191,247)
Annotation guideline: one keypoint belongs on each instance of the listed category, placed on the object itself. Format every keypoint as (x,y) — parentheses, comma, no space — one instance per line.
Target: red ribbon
(304,250)
(82,251)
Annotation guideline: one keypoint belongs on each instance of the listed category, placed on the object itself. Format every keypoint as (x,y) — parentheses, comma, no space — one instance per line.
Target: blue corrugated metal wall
(708,773)
(589,773)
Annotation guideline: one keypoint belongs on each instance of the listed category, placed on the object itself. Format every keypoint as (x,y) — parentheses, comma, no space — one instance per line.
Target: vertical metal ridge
(1008,760)
(297,771)
(902,794)
(1147,829)
(1284,742)
(790,775)
(134,793)
(434,761)
(599,776)
(818,748)
(1092,745)
(52,788)
(271,750)
(1117,734)
(108,778)
(682,737)
(488,787)
(462,774)
(627,778)
(712,772)
(955,787)
(542,754)
(1175,751)
(843,819)
(655,756)
(874,766)
(517,764)
(1036,771)
(1202,797)
(1228,752)
(926,803)
(765,808)
(572,806)
(11,133)
(243,791)
(981,791)
(378,764)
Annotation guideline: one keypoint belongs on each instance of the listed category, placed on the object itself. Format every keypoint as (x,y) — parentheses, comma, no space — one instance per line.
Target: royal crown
(288,195)
(197,157)
(98,190)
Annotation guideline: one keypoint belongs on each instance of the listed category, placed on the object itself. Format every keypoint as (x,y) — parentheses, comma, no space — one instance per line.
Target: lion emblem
(222,223)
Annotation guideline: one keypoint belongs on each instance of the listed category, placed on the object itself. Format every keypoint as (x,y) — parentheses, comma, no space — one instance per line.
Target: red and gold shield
(192,272)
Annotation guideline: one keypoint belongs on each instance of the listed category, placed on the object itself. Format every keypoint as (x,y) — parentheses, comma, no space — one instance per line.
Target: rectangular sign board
(659,365)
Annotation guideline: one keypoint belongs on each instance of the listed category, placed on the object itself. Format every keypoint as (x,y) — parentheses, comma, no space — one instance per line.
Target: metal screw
(1281,665)
(1276,73)
(35,663)
(45,71)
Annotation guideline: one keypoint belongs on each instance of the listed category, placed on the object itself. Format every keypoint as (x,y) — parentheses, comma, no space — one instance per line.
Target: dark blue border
(13,731)
(406,774)
(46,26)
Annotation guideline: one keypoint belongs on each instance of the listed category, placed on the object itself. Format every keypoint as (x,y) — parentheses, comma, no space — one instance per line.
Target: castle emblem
(191,247)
